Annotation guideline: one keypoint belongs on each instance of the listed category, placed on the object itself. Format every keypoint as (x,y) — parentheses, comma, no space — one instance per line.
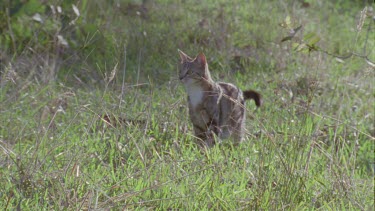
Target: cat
(216,109)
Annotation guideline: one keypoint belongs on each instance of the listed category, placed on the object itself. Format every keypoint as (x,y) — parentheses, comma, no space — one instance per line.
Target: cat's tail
(250,94)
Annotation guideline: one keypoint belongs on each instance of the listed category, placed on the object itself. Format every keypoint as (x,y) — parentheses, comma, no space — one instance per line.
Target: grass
(310,147)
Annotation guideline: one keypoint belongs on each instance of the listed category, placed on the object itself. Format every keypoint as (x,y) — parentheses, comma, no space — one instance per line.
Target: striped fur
(215,109)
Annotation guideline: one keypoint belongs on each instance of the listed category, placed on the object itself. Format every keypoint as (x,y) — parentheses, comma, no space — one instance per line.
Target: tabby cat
(215,109)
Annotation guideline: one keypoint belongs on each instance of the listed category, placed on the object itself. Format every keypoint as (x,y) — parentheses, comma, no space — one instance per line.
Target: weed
(93,116)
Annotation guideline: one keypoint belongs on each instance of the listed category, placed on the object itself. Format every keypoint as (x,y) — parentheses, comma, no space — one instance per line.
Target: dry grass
(101,122)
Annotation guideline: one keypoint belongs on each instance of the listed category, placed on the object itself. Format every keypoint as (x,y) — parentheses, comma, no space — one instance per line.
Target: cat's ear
(201,60)
(183,56)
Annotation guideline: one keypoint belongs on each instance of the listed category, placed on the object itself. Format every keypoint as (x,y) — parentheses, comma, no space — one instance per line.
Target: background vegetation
(93,116)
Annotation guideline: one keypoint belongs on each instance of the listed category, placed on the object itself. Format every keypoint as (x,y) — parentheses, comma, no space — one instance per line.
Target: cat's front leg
(214,133)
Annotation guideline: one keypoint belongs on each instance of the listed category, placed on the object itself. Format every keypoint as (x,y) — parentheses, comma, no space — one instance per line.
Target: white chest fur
(195,95)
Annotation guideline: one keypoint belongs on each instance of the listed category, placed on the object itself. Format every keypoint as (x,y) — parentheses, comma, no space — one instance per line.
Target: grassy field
(309,147)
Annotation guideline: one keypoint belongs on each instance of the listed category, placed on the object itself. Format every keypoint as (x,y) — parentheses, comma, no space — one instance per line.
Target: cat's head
(192,70)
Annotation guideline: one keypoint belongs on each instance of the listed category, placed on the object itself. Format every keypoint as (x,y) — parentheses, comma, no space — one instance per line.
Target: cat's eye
(187,69)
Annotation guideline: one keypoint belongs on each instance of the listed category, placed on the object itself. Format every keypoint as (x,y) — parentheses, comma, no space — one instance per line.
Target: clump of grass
(116,134)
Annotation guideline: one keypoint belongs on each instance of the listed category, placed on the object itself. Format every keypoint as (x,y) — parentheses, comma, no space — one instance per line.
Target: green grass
(310,147)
